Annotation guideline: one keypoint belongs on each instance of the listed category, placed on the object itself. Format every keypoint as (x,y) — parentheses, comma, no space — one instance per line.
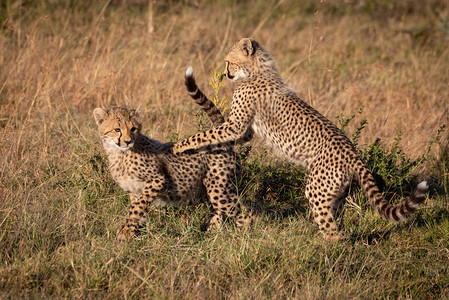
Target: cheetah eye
(117,129)
(133,129)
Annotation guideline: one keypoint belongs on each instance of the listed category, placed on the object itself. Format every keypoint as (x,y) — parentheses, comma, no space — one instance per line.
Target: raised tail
(393,213)
(208,106)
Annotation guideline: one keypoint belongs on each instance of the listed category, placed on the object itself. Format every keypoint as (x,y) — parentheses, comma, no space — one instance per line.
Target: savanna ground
(385,62)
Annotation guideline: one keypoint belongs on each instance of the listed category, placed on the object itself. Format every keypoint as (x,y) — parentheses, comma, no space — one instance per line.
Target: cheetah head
(118,127)
(246,58)
(240,59)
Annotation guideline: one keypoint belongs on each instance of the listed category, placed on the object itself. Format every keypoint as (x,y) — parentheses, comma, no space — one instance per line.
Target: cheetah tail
(201,99)
(397,213)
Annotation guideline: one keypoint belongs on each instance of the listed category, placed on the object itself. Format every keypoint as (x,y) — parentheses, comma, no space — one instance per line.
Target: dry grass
(60,209)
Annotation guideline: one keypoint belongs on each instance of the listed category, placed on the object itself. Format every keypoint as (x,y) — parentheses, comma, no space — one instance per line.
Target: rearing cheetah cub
(298,132)
(151,173)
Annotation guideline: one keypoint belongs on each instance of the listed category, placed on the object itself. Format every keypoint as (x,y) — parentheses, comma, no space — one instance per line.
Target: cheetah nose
(128,142)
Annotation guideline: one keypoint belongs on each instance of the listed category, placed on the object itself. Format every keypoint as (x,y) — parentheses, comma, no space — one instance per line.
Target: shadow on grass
(372,238)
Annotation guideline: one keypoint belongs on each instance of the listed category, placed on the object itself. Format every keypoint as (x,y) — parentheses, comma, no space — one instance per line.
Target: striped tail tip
(421,190)
(423,186)
(416,198)
(189,72)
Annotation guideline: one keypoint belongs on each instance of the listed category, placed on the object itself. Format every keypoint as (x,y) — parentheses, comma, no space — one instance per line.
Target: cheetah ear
(247,46)
(138,112)
(99,115)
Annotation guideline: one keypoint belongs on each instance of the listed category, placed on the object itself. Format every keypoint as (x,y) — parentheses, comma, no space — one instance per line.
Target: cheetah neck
(113,152)
(116,154)
(265,66)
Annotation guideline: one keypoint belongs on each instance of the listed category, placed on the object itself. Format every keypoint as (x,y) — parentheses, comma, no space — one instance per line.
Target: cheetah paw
(126,233)
(179,148)
(335,238)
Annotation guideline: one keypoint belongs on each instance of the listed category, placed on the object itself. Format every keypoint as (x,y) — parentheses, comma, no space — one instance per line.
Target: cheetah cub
(298,132)
(151,173)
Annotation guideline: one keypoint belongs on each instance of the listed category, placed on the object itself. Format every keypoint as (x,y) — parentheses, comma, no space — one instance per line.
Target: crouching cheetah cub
(151,173)
(298,132)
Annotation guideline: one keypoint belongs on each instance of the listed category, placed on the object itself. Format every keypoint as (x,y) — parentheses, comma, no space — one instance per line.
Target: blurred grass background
(60,208)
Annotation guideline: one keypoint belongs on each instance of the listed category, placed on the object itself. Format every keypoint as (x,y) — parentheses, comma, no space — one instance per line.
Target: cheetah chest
(280,142)
(130,183)
(261,130)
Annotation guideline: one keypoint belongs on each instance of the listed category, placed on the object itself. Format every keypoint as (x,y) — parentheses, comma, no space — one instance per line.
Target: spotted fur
(296,131)
(212,111)
(152,174)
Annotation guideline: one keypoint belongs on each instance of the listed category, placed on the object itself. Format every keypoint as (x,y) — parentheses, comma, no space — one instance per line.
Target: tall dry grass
(59,208)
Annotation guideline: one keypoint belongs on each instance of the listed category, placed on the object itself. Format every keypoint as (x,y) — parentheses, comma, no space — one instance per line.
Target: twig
(309,89)
(225,38)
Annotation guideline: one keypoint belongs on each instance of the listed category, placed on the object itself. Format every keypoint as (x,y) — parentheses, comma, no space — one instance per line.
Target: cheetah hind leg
(222,195)
(244,217)
(326,203)
(228,205)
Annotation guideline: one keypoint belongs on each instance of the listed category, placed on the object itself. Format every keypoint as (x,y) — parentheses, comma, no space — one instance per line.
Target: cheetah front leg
(234,129)
(139,208)
(225,133)
(248,136)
